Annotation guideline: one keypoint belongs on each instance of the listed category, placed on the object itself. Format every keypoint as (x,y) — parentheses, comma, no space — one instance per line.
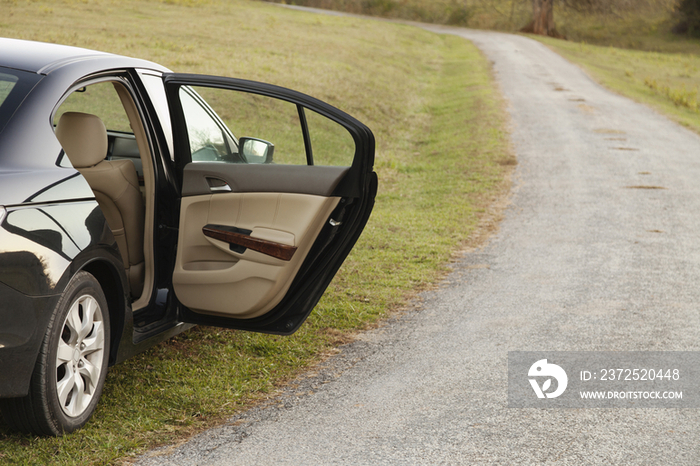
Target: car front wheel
(71,367)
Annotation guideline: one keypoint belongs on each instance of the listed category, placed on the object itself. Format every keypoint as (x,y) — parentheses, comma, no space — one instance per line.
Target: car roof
(36,57)
(42,57)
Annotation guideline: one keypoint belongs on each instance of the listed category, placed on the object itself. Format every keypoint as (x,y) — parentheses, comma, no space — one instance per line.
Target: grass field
(442,160)
(627,45)
(634,53)
(667,81)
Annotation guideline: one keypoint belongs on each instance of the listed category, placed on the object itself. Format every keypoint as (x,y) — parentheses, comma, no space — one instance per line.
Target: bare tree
(543,19)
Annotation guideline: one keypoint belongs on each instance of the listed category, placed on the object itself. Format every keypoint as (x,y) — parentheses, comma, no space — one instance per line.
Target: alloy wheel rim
(79,356)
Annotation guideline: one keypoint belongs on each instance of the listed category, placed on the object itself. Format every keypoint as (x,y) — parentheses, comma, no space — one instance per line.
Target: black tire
(66,386)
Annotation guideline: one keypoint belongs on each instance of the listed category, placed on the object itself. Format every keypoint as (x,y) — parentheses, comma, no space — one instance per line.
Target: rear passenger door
(276,187)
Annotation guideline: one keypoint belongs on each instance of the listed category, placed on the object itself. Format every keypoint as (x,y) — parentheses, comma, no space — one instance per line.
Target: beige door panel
(198,255)
(210,276)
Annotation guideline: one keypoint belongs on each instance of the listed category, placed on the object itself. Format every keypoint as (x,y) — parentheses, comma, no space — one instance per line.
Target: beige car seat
(115,184)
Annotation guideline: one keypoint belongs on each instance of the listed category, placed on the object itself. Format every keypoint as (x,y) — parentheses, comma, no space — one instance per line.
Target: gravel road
(585,260)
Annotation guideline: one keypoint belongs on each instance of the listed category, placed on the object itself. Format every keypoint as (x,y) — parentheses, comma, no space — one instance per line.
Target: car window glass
(15,85)
(207,135)
(271,127)
(97,99)
(7,83)
(264,118)
(332,144)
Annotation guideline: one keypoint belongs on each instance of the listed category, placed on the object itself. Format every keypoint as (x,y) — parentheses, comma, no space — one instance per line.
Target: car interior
(115,184)
(101,132)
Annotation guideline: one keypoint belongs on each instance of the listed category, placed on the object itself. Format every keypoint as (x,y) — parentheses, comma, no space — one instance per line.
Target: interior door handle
(217,185)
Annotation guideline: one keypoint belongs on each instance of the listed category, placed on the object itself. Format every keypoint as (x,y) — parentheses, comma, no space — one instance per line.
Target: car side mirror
(254,150)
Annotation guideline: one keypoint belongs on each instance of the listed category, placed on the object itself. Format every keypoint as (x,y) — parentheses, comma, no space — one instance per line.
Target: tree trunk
(543,19)
(543,16)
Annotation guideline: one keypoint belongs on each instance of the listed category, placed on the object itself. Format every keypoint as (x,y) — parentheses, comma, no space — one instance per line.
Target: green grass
(638,24)
(668,82)
(442,159)
(627,45)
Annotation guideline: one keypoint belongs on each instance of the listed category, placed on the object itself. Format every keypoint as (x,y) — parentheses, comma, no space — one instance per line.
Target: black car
(130,211)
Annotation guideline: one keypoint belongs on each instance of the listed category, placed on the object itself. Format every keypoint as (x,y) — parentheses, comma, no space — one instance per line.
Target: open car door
(276,187)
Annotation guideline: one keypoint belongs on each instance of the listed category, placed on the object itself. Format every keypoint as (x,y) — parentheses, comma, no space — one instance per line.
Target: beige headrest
(83,137)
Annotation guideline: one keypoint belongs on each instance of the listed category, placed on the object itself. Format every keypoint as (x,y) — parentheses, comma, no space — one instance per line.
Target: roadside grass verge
(442,161)
(666,81)
(637,25)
